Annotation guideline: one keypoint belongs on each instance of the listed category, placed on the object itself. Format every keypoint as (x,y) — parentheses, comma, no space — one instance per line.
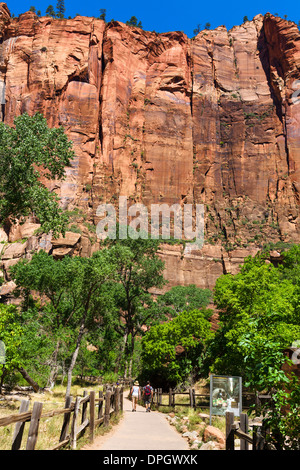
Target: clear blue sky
(162,16)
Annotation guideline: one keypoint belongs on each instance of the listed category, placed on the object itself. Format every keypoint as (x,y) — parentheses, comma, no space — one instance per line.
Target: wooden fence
(171,401)
(240,430)
(101,409)
(199,400)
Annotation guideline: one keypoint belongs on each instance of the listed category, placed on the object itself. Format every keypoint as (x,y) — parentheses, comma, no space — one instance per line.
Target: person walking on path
(147,395)
(135,394)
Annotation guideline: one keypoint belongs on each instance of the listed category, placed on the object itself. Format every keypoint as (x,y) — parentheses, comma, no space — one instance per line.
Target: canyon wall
(162,118)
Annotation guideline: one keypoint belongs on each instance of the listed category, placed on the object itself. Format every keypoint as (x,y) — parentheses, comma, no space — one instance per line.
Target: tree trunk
(54,368)
(4,373)
(28,379)
(131,356)
(122,355)
(74,358)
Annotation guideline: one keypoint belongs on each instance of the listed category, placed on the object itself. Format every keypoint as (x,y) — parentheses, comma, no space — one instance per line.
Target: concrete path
(141,430)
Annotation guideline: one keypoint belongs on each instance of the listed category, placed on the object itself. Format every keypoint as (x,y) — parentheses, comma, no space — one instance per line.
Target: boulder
(210,445)
(212,433)
(15,250)
(59,253)
(7,289)
(69,240)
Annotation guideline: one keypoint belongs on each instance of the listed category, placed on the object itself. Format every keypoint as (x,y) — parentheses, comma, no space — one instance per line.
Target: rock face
(161,118)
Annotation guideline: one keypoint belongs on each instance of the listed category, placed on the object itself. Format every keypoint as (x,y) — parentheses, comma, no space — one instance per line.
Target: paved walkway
(141,431)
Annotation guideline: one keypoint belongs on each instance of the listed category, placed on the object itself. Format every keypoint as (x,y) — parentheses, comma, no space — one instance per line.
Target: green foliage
(186,298)
(74,300)
(29,151)
(50,11)
(103,14)
(191,331)
(134,22)
(11,336)
(60,9)
(259,319)
(138,269)
(259,294)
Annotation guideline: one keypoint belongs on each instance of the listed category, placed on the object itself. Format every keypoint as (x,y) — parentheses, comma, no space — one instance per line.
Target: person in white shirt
(135,394)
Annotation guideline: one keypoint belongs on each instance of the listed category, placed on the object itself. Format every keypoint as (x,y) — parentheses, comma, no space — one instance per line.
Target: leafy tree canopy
(261,296)
(29,152)
(134,22)
(186,298)
(190,332)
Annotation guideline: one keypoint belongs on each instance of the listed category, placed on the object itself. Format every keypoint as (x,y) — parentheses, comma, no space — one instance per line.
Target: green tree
(60,9)
(50,11)
(30,151)
(197,30)
(173,350)
(259,313)
(259,292)
(263,361)
(186,298)
(103,14)
(134,22)
(10,336)
(138,270)
(72,289)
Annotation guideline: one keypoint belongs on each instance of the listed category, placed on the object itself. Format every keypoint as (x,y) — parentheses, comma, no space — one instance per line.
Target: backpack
(147,390)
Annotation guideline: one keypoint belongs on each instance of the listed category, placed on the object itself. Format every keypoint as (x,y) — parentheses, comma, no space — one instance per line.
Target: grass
(49,428)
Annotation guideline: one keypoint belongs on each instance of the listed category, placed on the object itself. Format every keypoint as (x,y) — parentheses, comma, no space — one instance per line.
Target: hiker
(135,394)
(147,395)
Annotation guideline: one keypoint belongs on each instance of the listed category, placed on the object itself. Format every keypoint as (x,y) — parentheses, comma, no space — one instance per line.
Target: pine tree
(60,9)
(197,30)
(134,22)
(103,14)
(50,11)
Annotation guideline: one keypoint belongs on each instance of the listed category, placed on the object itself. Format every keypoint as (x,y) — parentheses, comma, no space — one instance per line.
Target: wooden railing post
(121,399)
(100,406)
(73,436)
(229,416)
(34,425)
(191,397)
(170,397)
(244,428)
(117,400)
(107,407)
(92,415)
(19,429)
(84,407)
(66,421)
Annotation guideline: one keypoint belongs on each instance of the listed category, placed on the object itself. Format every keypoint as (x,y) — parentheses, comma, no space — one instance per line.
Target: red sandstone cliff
(164,118)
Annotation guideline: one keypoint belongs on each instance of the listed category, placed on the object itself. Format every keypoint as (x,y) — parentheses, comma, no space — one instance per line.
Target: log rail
(100,408)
